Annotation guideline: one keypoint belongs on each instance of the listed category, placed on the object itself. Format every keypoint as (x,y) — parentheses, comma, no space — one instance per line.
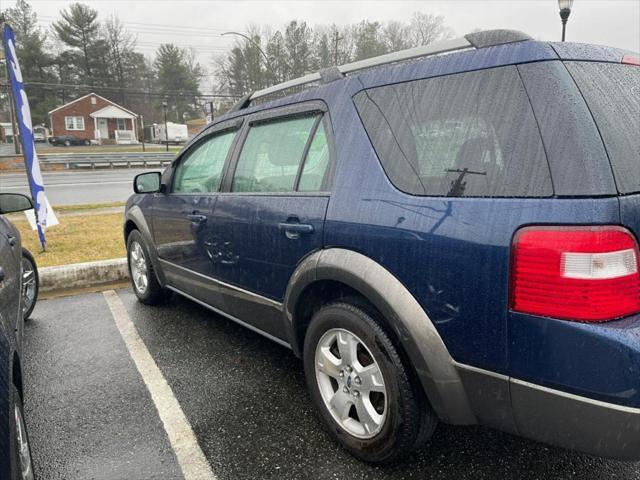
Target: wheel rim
(351,383)
(138,266)
(28,284)
(24,453)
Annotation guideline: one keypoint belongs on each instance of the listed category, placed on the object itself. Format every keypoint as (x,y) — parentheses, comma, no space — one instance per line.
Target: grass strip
(76,239)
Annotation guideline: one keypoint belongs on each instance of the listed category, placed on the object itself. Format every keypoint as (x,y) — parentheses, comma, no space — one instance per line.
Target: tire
(21,459)
(29,290)
(143,277)
(86,142)
(402,422)
(67,143)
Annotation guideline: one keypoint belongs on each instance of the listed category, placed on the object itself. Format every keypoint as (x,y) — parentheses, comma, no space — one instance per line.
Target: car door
(10,275)
(271,212)
(181,213)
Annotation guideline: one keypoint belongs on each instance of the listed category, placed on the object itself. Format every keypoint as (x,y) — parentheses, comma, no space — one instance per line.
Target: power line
(127,91)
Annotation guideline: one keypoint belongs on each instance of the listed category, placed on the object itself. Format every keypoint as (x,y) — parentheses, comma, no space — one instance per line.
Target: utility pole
(336,39)
(12,105)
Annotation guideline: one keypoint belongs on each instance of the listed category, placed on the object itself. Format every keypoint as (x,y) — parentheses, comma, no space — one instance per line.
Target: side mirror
(147,182)
(14,202)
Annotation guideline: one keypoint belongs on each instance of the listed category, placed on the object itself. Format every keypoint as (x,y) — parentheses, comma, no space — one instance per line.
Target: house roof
(112,111)
(94,95)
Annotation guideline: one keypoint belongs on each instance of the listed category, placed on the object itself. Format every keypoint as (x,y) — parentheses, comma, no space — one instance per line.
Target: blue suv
(448,233)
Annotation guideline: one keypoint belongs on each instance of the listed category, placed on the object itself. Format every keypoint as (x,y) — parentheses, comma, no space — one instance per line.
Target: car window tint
(469,134)
(316,163)
(200,170)
(612,92)
(271,155)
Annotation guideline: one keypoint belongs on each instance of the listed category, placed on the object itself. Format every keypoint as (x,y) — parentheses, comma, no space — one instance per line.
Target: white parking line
(192,461)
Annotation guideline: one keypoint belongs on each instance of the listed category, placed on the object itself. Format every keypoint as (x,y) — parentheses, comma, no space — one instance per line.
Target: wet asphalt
(91,417)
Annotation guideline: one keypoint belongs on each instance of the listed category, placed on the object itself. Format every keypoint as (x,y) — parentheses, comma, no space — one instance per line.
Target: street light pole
(166,130)
(565,11)
(264,55)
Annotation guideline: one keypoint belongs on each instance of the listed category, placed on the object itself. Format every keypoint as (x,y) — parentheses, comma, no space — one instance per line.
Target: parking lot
(91,414)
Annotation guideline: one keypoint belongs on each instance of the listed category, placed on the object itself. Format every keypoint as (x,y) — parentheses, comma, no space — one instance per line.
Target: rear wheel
(87,142)
(143,277)
(21,463)
(67,143)
(360,387)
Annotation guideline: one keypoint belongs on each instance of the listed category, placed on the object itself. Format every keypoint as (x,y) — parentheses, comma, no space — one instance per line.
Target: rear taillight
(585,274)
(631,60)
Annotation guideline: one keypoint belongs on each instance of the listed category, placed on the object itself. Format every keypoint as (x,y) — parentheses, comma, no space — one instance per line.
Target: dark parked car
(441,238)
(15,454)
(68,140)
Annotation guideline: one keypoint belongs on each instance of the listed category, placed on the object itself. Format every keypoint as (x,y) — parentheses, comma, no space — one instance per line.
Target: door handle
(197,218)
(294,230)
(1,276)
(12,240)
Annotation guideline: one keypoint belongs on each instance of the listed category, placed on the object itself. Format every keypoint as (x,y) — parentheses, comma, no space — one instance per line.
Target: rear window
(612,92)
(465,135)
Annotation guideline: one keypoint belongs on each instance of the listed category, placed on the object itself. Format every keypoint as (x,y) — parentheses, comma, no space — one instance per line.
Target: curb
(81,275)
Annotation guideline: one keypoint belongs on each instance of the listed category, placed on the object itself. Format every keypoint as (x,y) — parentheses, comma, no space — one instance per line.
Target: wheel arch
(338,272)
(135,220)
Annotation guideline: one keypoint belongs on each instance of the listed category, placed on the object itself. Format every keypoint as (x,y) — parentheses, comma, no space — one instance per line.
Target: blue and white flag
(43,212)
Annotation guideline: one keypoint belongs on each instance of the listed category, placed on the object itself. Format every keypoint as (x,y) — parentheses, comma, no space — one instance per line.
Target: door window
(316,163)
(272,154)
(200,169)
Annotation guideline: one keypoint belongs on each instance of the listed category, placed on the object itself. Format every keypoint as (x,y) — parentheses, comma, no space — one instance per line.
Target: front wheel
(30,283)
(360,387)
(143,277)
(67,143)
(87,142)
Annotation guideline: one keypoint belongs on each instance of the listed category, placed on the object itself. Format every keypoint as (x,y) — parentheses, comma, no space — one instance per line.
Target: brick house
(95,118)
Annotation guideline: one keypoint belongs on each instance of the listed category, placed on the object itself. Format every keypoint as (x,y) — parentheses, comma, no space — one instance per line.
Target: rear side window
(274,152)
(465,135)
(612,92)
(200,169)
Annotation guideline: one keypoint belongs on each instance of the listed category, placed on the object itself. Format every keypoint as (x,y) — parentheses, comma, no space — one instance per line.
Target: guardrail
(109,160)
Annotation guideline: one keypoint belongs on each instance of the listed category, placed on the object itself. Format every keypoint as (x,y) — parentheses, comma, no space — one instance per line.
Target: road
(91,414)
(78,187)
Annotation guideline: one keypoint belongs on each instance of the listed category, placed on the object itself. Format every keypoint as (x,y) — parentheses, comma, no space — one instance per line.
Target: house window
(74,123)
(122,124)
(93,100)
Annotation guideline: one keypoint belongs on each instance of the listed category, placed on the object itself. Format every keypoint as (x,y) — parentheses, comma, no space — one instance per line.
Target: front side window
(200,169)
(74,123)
(122,124)
(272,155)
(465,135)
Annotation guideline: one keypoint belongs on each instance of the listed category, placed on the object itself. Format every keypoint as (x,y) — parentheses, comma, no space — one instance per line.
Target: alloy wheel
(138,266)
(28,284)
(24,453)
(351,383)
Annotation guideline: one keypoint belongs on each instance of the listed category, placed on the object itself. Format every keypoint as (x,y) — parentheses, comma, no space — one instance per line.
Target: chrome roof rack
(472,40)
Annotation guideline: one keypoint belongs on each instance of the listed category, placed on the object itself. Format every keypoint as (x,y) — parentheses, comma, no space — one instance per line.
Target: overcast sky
(198,24)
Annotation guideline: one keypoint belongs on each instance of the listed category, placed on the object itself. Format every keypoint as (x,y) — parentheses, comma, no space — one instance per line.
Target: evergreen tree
(79,29)
(178,76)
(36,64)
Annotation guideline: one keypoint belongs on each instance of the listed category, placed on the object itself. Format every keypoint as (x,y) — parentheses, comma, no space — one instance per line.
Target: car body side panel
(452,254)
(10,317)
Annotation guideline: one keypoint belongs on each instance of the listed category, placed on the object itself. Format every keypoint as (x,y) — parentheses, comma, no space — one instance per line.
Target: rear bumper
(574,422)
(552,416)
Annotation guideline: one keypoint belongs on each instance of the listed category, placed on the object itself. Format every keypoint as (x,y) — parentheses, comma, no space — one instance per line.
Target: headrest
(286,151)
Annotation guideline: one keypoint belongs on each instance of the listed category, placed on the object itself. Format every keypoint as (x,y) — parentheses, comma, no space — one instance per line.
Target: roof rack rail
(473,40)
